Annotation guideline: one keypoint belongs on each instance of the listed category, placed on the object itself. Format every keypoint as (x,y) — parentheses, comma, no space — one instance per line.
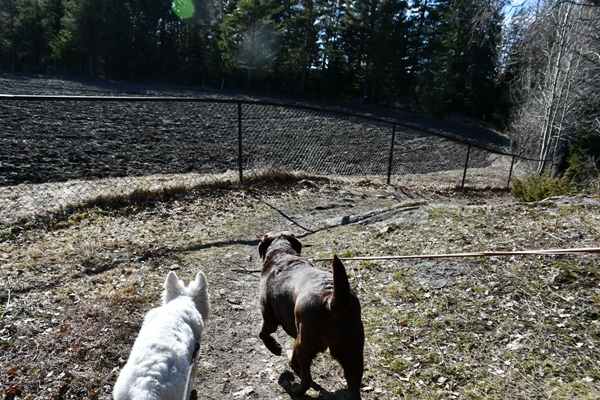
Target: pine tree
(81,34)
(30,33)
(456,66)
(249,37)
(8,32)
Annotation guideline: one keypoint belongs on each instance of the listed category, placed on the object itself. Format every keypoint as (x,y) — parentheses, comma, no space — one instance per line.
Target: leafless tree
(556,46)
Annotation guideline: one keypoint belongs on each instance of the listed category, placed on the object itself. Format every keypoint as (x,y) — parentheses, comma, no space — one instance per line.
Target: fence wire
(61,151)
(313,142)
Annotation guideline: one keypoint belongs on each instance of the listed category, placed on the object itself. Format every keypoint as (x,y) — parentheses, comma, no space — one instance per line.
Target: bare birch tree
(557,77)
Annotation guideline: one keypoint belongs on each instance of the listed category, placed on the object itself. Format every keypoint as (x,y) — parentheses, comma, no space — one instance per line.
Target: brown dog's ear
(295,243)
(264,245)
(268,238)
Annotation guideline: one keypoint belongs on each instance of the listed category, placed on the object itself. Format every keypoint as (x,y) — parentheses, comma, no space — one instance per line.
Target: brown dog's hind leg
(266,329)
(302,357)
(352,364)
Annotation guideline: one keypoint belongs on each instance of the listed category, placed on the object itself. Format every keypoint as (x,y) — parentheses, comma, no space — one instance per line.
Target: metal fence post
(391,154)
(239,107)
(510,172)
(462,186)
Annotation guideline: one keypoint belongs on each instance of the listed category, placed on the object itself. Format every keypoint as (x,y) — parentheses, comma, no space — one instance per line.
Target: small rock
(248,390)
(174,267)
(554,273)
(386,229)
(326,207)
(308,183)
(515,345)
(576,236)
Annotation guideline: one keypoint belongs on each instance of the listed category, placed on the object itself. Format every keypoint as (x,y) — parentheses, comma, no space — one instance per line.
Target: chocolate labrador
(316,308)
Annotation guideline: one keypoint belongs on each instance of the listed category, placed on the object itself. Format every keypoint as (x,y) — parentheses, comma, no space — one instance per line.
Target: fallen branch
(591,250)
(246,271)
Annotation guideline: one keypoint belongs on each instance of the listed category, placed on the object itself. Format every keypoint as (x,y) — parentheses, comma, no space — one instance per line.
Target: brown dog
(317,309)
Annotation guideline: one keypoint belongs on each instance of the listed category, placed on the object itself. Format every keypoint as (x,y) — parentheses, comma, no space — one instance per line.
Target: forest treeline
(531,66)
(426,52)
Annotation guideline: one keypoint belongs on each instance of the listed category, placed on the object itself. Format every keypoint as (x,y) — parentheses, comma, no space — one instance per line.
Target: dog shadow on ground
(287,382)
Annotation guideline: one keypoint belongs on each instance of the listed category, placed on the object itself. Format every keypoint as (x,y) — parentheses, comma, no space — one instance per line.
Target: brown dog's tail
(340,301)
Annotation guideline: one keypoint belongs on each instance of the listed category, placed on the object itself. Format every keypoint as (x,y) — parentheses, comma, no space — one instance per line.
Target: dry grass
(498,327)
(76,289)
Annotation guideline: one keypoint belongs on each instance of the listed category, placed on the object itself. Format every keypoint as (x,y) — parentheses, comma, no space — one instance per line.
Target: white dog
(163,360)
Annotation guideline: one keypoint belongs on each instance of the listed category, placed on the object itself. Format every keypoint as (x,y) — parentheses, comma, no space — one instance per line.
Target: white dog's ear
(200,282)
(198,289)
(173,287)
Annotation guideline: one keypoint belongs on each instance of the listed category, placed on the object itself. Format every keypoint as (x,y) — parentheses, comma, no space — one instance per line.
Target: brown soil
(57,141)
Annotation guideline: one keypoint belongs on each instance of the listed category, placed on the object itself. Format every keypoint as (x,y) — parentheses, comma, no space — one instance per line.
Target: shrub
(539,187)
(583,164)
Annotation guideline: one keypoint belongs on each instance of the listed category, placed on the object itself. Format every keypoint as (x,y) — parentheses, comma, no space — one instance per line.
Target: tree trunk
(248,79)
(13,49)
(363,97)
(374,86)
(306,55)
(554,96)
(91,64)
(415,57)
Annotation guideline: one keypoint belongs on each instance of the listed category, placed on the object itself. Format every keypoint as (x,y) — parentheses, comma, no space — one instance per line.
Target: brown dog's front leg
(265,335)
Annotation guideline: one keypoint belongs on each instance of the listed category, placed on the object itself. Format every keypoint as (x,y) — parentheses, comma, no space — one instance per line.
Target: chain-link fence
(60,151)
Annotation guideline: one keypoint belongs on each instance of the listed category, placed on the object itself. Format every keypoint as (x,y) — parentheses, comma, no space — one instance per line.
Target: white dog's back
(161,356)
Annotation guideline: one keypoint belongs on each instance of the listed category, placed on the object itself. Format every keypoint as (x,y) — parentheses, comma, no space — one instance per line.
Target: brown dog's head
(270,237)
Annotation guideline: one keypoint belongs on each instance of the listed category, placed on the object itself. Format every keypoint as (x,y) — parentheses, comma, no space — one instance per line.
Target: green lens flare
(183,8)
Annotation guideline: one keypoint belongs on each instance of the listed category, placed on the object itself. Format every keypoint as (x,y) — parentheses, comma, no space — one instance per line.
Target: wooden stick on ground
(590,250)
